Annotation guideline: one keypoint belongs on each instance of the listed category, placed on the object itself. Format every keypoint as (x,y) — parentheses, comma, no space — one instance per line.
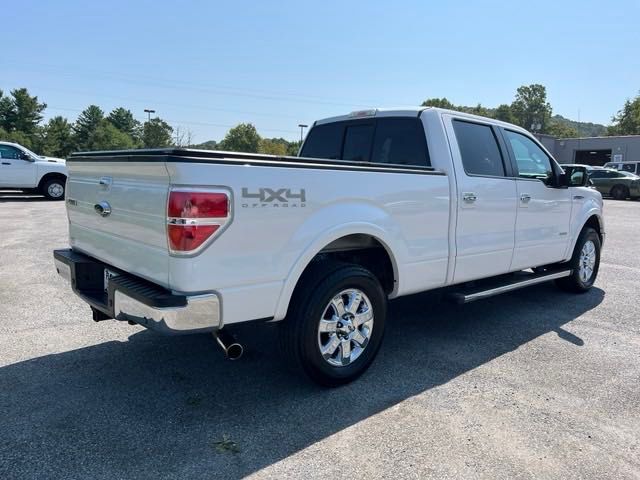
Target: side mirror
(574,177)
(26,156)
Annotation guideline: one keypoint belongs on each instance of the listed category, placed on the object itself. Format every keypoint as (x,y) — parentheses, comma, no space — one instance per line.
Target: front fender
(592,206)
(324,227)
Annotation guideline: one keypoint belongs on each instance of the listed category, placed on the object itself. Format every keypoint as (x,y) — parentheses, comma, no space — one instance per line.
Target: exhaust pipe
(232,349)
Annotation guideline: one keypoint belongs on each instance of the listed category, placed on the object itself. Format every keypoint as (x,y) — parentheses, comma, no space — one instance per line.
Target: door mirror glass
(575,177)
(26,156)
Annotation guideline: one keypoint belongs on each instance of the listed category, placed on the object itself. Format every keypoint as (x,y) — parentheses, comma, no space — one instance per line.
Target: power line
(182,122)
(146,101)
(213,89)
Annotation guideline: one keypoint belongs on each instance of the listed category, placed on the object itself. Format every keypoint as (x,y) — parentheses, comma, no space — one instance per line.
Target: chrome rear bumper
(133,299)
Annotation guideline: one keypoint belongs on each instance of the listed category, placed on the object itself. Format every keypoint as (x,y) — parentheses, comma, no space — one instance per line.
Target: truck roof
(412,112)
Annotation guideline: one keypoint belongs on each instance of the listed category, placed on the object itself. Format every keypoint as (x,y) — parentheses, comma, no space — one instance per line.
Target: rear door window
(357,142)
(479,149)
(400,141)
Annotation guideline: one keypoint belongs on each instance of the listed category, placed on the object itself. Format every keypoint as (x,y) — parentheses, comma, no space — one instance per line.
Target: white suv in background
(21,169)
(628,166)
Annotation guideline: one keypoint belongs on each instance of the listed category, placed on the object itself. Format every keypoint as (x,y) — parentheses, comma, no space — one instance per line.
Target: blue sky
(209,65)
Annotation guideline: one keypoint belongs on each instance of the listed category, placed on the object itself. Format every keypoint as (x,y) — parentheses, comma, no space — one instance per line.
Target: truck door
(544,210)
(15,171)
(487,203)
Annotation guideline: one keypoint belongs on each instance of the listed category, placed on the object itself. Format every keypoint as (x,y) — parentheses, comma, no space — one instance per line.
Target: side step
(505,283)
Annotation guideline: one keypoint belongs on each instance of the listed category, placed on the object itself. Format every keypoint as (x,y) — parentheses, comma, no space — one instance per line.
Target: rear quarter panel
(256,263)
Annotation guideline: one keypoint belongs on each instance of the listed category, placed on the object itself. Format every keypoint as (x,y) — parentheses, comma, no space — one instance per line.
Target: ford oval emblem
(103,209)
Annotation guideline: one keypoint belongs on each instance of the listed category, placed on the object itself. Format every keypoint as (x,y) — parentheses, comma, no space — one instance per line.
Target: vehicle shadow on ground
(173,407)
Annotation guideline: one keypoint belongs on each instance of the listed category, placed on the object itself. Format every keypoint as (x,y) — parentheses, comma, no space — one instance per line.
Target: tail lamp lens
(193,217)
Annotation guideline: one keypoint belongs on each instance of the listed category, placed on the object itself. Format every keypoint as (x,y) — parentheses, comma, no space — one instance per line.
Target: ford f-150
(379,204)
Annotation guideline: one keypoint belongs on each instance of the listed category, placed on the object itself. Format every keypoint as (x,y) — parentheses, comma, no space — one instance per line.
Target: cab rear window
(386,140)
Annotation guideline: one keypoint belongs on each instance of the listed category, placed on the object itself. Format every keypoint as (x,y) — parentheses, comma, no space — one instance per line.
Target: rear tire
(335,323)
(585,263)
(54,189)
(620,192)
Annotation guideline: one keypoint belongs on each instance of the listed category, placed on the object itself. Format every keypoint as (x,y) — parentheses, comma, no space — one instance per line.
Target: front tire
(585,263)
(54,189)
(335,324)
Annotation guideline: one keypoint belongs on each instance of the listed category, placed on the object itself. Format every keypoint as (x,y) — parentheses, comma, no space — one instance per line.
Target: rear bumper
(130,298)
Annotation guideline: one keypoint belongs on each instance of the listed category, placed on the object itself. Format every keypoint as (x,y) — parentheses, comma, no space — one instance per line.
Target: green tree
(627,120)
(503,112)
(440,103)
(123,120)
(17,137)
(530,107)
(108,137)
(157,134)
(562,130)
(86,124)
(58,139)
(22,112)
(241,138)
(272,146)
(293,148)
(6,105)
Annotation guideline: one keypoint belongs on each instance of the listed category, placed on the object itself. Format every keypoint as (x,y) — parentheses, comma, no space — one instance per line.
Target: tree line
(21,116)
(531,110)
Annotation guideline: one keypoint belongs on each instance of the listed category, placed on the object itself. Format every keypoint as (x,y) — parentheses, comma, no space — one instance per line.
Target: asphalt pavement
(533,384)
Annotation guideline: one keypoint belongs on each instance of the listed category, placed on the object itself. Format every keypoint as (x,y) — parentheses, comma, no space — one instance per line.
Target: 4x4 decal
(270,197)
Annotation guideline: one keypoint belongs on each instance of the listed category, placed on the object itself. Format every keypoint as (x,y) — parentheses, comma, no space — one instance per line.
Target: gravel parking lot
(533,384)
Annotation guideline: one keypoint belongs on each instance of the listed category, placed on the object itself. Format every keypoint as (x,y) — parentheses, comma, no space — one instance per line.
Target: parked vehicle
(21,169)
(589,168)
(628,166)
(382,204)
(616,183)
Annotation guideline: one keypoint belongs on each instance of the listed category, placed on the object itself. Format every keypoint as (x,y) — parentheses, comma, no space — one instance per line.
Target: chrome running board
(506,284)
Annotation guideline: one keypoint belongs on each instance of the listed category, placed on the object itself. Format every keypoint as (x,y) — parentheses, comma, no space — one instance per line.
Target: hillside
(585,129)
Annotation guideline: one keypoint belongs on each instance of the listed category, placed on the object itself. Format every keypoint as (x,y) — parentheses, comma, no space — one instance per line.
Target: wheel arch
(50,176)
(622,186)
(593,219)
(350,244)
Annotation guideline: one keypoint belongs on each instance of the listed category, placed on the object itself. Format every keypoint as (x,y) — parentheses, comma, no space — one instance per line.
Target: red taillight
(198,205)
(193,217)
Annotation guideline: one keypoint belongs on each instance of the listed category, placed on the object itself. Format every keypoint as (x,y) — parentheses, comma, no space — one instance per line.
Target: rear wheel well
(358,249)
(51,176)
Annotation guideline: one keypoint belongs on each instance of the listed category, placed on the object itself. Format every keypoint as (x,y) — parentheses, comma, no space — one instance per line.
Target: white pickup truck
(379,204)
(21,169)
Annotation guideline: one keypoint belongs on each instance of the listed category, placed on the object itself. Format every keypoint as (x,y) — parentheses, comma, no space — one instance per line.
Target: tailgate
(117,213)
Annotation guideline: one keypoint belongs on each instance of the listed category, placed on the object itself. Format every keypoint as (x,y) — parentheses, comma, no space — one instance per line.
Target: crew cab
(379,204)
(21,169)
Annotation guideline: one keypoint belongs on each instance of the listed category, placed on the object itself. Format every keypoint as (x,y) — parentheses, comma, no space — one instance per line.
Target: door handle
(469,197)
(6,163)
(525,198)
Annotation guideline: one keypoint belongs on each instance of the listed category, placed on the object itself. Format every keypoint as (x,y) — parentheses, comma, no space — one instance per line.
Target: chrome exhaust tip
(232,349)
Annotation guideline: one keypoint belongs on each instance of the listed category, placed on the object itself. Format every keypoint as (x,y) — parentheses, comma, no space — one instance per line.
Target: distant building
(592,150)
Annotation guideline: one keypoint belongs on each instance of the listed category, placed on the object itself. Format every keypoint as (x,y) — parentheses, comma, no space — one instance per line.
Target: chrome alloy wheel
(587,261)
(345,327)
(55,190)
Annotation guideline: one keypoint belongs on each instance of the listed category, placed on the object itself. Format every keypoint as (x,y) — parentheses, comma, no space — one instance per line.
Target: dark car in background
(617,184)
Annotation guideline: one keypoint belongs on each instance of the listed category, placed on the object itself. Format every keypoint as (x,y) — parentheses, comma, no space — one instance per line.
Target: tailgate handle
(103,209)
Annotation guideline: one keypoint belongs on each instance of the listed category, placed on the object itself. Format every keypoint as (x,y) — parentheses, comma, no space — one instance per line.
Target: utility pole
(302,127)
(148,111)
